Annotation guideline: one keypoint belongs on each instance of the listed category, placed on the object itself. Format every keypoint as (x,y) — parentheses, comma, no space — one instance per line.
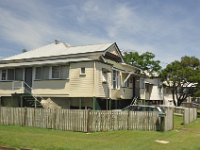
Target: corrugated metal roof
(58,50)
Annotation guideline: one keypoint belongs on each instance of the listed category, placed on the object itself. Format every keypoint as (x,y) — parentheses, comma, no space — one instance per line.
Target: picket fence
(85,120)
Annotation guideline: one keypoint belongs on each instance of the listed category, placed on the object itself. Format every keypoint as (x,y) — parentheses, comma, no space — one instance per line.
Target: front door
(28,80)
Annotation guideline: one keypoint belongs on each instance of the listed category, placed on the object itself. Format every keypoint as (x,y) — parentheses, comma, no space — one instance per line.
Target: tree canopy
(183,77)
(145,61)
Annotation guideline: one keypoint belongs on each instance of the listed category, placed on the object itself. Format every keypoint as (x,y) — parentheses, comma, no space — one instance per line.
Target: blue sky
(168,28)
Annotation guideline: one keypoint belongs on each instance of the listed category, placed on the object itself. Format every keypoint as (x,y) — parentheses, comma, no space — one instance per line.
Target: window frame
(58,67)
(115,79)
(2,72)
(82,73)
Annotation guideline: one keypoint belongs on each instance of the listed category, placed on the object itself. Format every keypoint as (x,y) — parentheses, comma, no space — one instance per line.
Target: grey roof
(59,49)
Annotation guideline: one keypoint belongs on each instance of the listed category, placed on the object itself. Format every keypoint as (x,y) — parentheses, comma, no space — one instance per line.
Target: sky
(167,28)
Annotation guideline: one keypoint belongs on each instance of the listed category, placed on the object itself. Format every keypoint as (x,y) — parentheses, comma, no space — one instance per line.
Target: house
(76,77)
(151,90)
(155,92)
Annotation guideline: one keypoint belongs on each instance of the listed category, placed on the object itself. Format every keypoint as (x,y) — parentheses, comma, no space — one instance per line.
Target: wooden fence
(85,120)
(169,119)
(189,114)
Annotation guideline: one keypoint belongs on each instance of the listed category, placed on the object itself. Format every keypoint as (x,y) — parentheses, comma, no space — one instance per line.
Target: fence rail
(83,120)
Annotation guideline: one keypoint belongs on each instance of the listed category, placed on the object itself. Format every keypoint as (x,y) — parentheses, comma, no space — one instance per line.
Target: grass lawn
(181,138)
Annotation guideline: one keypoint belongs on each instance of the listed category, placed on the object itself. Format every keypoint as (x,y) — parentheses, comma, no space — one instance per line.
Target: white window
(116,79)
(3,74)
(82,71)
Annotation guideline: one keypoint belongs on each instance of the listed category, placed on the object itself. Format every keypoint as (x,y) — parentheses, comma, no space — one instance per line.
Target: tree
(183,77)
(145,61)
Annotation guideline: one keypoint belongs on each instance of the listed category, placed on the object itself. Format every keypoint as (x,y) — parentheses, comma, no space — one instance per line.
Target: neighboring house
(151,90)
(154,91)
(91,76)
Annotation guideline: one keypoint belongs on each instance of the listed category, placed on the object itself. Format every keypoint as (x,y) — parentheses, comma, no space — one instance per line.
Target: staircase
(30,101)
(134,101)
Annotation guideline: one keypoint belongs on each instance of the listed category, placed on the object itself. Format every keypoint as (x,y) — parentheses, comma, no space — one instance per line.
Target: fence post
(128,120)
(88,121)
(25,116)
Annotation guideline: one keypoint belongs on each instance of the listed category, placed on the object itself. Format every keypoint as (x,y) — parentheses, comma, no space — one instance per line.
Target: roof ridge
(90,44)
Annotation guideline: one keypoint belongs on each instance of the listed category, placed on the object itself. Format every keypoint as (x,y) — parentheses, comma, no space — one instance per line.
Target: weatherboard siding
(102,88)
(6,88)
(81,85)
(51,87)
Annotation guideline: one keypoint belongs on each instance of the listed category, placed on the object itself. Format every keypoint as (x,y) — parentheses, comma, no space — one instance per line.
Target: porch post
(110,104)
(21,101)
(94,103)
(107,104)
(116,104)
(80,103)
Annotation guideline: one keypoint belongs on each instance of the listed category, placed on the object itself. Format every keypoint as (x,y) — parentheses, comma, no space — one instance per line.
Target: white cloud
(133,26)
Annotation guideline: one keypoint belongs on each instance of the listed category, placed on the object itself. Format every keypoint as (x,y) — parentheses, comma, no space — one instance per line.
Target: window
(82,72)
(60,72)
(55,72)
(38,73)
(42,73)
(11,74)
(116,79)
(64,72)
(19,74)
(3,75)
(45,72)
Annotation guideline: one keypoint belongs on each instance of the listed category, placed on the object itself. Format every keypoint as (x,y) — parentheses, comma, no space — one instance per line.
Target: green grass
(181,138)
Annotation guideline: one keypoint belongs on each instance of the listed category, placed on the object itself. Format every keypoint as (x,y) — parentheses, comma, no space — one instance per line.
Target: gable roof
(59,49)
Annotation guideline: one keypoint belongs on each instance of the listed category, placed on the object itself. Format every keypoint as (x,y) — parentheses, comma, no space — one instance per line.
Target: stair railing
(31,93)
(16,86)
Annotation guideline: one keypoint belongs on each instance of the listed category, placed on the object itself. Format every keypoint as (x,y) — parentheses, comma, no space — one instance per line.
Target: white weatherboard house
(81,77)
